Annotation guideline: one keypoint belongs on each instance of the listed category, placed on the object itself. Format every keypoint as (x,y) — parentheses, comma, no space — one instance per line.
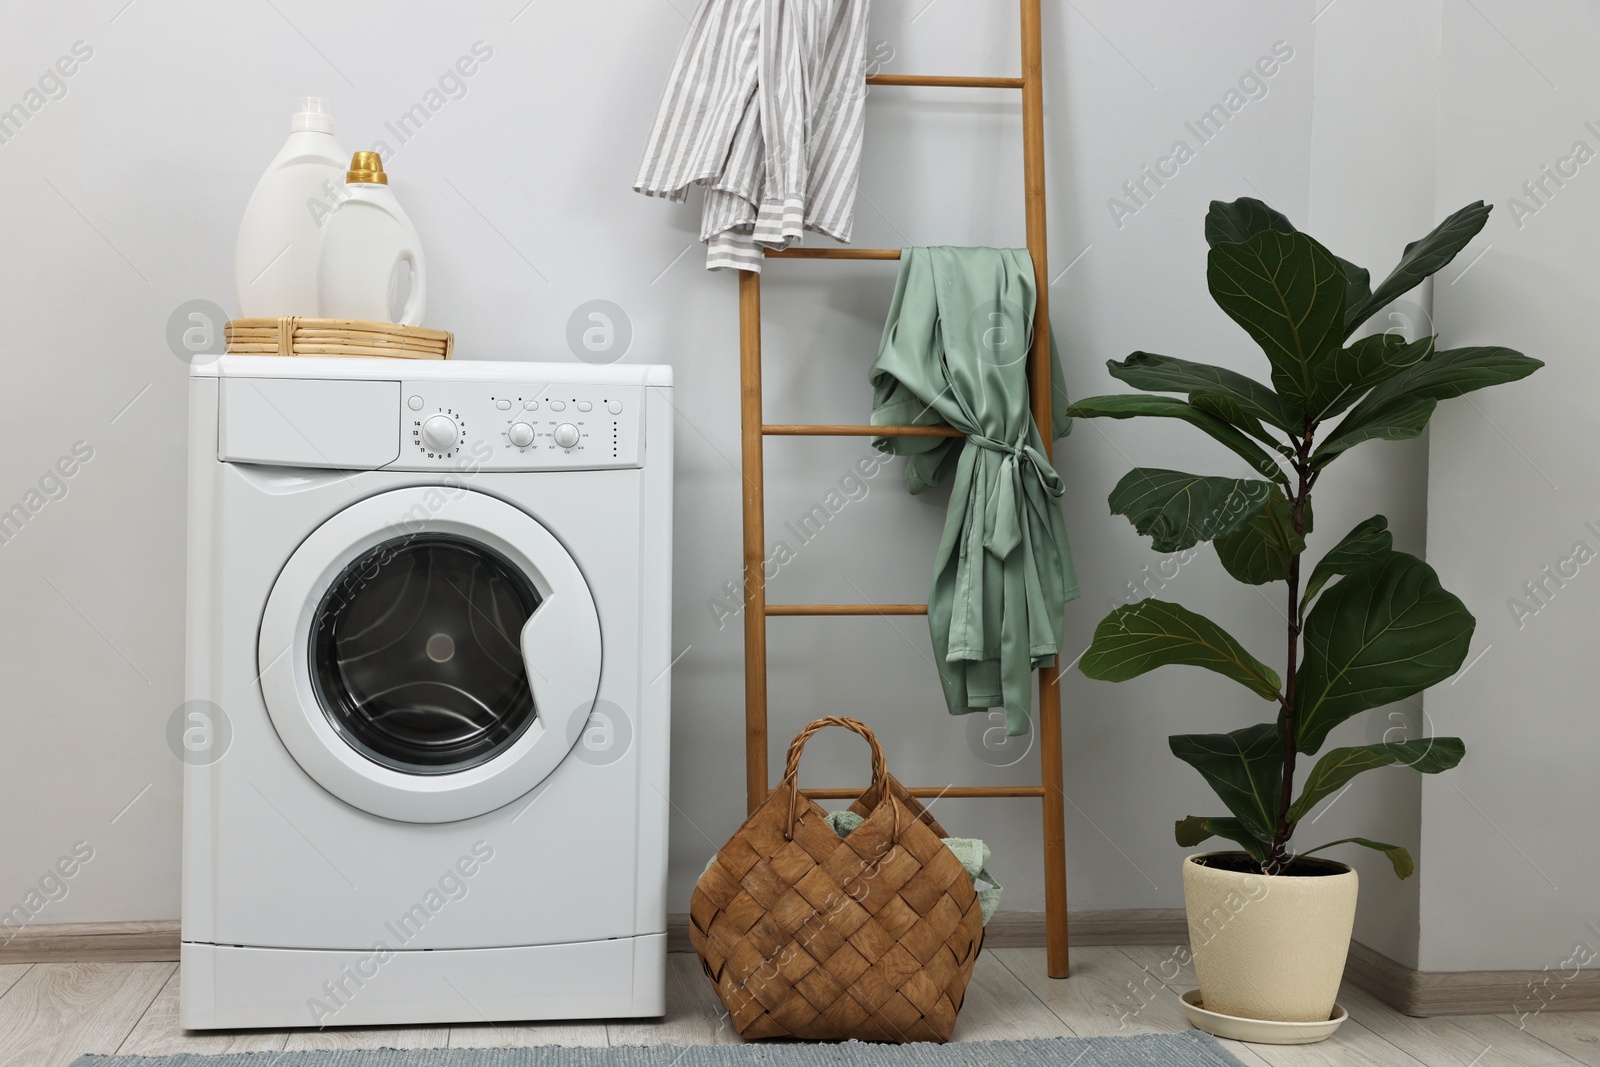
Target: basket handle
(791,770)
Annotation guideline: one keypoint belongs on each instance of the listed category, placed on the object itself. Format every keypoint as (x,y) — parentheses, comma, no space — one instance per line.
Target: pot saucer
(1259,1031)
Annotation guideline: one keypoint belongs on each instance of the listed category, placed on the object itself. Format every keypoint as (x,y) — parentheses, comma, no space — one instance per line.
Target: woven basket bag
(809,935)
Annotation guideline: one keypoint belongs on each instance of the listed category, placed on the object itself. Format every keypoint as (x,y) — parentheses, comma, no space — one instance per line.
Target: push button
(558,405)
(503,405)
(614,406)
(415,403)
(584,405)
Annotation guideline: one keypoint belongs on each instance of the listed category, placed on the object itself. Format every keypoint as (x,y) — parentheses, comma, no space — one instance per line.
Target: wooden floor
(51,1013)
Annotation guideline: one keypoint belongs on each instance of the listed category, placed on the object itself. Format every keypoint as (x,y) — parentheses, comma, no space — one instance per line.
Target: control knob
(440,433)
(521,434)
(566,435)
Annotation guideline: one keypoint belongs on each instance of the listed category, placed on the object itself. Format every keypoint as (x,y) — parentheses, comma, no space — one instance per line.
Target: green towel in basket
(972,852)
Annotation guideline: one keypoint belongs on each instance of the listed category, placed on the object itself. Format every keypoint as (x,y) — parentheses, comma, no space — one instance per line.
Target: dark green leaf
(1369,362)
(1194,829)
(1422,258)
(1137,638)
(1399,858)
(1258,552)
(1450,373)
(1237,222)
(1245,768)
(1130,405)
(1400,407)
(1379,635)
(1177,511)
(1370,542)
(1241,220)
(1429,755)
(1400,421)
(1234,414)
(1167,374)
(1357,289)
(1287,291)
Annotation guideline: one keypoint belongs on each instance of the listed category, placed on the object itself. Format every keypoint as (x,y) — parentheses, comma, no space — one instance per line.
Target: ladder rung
(833,253)
(861,431)
(953,791)
(847,609)
(949,81)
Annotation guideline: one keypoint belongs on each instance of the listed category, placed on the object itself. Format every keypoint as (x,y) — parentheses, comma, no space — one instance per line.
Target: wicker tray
(293,336)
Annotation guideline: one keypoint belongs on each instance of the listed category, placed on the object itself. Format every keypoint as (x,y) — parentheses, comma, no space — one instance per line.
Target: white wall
(126,194)
(1514,876)
(1376,99)
(1136,76)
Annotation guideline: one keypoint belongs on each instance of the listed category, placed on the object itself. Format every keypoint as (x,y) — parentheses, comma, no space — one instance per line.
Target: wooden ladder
(754,430)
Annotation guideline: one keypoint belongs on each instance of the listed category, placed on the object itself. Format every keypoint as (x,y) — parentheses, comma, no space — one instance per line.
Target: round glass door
(415,654)
(429,669)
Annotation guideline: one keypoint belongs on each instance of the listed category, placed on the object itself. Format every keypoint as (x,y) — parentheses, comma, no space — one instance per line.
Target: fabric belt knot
(1021,458)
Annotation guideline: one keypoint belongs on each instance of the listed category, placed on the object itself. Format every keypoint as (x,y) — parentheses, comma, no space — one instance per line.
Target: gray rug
(1188,1049)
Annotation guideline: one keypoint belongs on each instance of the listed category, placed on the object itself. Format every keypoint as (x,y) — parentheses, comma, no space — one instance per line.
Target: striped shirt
(765,109)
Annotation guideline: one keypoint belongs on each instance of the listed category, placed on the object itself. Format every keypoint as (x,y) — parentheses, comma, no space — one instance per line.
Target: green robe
(955,352)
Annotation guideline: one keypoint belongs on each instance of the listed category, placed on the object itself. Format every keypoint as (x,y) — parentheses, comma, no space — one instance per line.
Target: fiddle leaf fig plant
(1366,625)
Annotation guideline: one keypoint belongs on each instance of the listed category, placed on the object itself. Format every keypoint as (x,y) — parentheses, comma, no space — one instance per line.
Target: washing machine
(426,721)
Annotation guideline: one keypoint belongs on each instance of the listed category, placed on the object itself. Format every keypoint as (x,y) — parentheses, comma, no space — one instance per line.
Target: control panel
(524,426)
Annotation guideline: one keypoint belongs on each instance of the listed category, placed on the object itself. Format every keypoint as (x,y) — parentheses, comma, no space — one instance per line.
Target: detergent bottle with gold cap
(369,250)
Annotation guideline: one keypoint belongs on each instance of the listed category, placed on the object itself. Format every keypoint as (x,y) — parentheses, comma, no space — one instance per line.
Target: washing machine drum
(428,655)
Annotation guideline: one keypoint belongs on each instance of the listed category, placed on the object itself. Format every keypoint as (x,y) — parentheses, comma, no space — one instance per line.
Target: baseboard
(1423,993)
(125,942)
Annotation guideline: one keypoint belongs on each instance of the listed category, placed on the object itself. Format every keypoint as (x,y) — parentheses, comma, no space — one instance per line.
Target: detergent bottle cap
(367,168)
(311,116)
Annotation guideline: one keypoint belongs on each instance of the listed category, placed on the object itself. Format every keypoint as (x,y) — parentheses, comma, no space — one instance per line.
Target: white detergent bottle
(275,261)
(364,246)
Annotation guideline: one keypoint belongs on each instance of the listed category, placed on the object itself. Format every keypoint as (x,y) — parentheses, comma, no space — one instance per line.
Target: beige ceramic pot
(1269,947)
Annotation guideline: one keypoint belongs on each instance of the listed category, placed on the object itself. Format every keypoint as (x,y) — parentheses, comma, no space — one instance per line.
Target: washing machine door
(429,654)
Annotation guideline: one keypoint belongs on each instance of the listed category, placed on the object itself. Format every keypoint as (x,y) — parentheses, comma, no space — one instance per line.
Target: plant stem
(1278,860)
